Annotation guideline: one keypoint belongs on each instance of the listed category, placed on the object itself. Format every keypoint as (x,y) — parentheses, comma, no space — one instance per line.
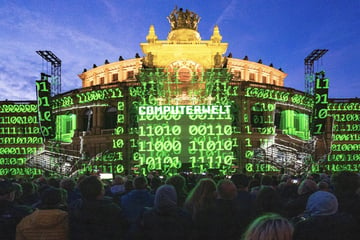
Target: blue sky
(84,32)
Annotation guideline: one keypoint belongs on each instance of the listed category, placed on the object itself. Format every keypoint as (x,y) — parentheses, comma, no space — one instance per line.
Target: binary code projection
(207,123)
(199,137)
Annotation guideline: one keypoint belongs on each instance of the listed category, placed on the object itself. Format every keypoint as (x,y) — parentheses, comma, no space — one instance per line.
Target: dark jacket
(134,202)
(96,219)
(10,215)
(330,227)
(224,221)
(165,220)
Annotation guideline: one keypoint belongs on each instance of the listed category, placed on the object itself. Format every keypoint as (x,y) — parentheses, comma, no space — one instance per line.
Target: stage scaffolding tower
(55,79)
(309,69)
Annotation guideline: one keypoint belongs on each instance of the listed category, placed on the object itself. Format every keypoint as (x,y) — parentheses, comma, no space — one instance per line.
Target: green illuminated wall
(195,138)
(232,126)
(295,123)
(65,127)
(20,135)
(345,136)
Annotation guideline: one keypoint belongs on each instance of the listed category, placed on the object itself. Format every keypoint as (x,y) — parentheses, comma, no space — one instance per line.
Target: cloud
(27,32)
(228,12)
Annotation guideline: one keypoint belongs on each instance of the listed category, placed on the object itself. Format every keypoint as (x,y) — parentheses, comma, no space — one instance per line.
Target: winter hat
(321,203)
(165,198)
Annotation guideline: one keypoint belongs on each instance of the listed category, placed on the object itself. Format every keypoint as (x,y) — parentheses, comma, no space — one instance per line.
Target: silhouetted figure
(10,212)
(49,221)
(95,216)
(165,220)
(322,220)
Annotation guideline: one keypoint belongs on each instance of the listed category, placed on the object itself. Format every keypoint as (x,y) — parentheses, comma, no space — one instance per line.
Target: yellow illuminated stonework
(184,54)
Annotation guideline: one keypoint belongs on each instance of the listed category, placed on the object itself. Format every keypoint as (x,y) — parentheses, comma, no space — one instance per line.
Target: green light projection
(321,101)
(20,136)
(295,123)
(183,124)
(65,127)
(199,137)
(202,124)
(345,148)
(45,116)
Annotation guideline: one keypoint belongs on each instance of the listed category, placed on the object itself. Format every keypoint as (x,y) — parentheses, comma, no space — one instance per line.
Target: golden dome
(184,35)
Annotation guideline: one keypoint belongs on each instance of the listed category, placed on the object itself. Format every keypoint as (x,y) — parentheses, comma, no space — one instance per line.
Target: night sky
(86,32)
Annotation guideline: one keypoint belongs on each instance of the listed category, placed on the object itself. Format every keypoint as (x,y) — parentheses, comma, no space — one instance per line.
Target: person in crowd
(128,187)
(30,194)
(254,185)
(268,200)
(201,197)
(68,184)
(321,220)
(243,200)
(179,183)
(10,212)
(324,186)
(134,202)
(53,182)
(268,227)
(288,187)
(224,220)
(95,216)
(346,185)
(117,186)
(49,221)
(166,220)
(297,206)
(155,183)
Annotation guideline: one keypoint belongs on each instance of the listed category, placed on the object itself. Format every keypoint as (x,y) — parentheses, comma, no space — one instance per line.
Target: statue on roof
(183,19)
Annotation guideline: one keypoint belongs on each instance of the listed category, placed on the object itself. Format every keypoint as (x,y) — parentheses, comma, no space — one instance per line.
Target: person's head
(307,186)
(140,182)
(204,190)
(7,190)
(241,181)
(68,184)
(254,183)
(52,198)
(269,226)
(266,180)
(91,188)
(155,182)
(178,182)
(268,200)
(165,198)
(321,203)
(118,180)
(53,182)
(226,189)
(128,185)
(323,186)
(28,188)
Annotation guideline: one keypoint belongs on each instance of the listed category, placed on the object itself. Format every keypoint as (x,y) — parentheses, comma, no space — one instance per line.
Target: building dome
(184,35)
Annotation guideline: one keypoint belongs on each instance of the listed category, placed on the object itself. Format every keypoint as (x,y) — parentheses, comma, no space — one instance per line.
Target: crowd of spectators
(183,206)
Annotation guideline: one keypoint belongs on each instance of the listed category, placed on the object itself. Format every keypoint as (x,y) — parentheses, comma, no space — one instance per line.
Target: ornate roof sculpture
(179,19)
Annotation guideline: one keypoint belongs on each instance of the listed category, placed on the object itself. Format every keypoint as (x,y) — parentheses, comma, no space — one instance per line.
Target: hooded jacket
(50,224)
(165,220)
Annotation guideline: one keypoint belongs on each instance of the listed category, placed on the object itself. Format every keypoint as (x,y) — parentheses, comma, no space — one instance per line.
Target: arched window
(87,120)
(110,118)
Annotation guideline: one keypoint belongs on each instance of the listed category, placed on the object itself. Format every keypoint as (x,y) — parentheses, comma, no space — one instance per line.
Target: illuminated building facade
(184,106)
